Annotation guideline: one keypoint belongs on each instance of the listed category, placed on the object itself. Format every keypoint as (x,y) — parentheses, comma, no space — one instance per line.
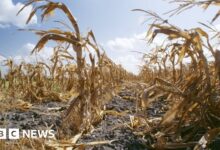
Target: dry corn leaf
(171,114)
(202,32)
(182,54)
(216,16)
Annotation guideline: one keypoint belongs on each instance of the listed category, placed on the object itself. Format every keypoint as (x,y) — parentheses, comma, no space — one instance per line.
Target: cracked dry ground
(121,123)
(118,126)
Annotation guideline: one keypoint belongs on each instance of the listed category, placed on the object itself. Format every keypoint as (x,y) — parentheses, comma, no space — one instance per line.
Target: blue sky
(116,27)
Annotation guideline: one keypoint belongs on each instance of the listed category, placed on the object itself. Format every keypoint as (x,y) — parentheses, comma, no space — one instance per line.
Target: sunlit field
(80,98)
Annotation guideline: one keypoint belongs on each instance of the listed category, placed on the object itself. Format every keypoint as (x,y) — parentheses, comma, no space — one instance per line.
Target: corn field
(177,75)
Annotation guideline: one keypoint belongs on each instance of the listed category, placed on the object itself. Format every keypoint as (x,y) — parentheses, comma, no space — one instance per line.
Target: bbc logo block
(15,133)
(3,133)
(11,134)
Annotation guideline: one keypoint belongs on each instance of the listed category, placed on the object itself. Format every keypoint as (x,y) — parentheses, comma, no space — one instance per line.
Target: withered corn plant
(89,83)
(187,4)
(192,90)
(75,116)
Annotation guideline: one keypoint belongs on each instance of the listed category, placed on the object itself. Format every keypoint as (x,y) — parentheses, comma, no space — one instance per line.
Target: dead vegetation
(192,88)
(177,71)
(78,71)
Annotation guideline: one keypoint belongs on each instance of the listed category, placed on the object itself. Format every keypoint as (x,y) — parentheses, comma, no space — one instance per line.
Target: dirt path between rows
(118,127)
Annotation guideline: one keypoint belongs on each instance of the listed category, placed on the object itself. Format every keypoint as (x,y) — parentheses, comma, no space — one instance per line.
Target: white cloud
(2,67)
(43,55)
(129,62)
(122,43)
(8,14)
(135,43)
(2,58)
(122,51)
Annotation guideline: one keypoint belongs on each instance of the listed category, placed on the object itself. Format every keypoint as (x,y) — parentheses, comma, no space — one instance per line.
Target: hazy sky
(119,30)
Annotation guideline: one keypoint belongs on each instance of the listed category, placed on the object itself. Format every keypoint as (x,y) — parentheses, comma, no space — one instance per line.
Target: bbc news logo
(14,133)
